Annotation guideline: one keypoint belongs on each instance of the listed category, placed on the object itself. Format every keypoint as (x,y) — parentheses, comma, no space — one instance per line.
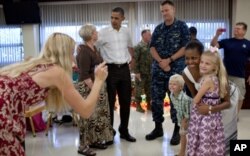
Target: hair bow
(213,49)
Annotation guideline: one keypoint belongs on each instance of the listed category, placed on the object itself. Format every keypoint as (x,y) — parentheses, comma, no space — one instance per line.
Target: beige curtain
(205,15)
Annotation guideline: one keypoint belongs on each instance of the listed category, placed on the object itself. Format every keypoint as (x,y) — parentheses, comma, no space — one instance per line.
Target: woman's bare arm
(57,77)
(203,109)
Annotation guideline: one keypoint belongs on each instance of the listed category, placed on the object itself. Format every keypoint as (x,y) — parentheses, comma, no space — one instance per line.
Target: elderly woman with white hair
(95,132)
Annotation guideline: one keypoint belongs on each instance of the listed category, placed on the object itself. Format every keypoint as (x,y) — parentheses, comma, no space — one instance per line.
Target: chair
(33,110)
(49,122)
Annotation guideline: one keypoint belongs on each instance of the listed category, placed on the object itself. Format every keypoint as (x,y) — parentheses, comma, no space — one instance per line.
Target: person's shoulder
(105,29)
(52,72)
(214,79)
(82,49)
(226,40)
(180,22)
(186,97)
(139,46)
(124,29)
(160,26)
(210,79)
(56,76)
(246,41)
(197,40)
(81,46)
(56,69)
(188,74)
(231,39)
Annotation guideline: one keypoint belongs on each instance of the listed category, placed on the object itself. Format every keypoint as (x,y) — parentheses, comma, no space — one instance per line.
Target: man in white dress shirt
(116,49)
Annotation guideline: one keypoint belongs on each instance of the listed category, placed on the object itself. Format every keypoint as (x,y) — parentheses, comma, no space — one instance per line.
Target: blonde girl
(206,133)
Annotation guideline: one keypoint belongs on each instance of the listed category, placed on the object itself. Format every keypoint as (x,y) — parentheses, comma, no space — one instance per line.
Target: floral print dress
(205,132)
(16,94)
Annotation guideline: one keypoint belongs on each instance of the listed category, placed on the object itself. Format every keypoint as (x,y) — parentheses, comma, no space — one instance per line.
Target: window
(69,30)
(205,30)
(11,45)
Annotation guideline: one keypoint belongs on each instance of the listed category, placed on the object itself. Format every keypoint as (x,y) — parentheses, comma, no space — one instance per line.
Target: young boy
(182,104)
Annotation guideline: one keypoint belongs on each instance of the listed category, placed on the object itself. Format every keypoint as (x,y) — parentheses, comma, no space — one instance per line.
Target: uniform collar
(164,25)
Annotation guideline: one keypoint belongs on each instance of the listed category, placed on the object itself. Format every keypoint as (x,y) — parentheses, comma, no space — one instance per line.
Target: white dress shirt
(114,45)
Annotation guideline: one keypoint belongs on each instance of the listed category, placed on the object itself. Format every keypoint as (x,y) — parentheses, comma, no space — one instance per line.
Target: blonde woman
(47,77)
(97,130)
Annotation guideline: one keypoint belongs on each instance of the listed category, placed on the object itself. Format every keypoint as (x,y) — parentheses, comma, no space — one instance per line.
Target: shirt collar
(112,29)
(144,43)
(179,97)
(164,25)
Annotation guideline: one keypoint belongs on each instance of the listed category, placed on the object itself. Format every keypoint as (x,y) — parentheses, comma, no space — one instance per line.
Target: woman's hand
(101,71)
(203,109)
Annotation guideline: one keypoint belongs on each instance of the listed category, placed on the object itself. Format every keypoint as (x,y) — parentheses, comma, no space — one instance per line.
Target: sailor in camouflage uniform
(167,48)
(143,61)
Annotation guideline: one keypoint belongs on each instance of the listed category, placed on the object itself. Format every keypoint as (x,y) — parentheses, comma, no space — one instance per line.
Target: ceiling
(1,1)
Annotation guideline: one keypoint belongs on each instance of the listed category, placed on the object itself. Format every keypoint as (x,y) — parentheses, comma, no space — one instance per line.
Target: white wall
(241,13)
(30,40)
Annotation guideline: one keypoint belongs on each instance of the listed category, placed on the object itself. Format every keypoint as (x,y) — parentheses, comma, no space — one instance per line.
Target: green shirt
(182,104)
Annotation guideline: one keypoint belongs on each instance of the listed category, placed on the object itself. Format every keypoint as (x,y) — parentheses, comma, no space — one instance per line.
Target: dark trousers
(159,87)
(119,82)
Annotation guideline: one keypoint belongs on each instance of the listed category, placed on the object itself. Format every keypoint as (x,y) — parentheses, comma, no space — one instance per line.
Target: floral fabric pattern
(16,94)
(206,132)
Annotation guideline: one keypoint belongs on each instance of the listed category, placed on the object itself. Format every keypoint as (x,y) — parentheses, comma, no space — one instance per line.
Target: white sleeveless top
(191,78)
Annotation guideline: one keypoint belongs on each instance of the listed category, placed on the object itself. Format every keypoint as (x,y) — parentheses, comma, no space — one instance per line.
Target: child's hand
(184,123)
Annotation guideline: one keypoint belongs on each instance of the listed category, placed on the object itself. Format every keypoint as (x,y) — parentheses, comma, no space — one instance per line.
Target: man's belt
(117,65)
